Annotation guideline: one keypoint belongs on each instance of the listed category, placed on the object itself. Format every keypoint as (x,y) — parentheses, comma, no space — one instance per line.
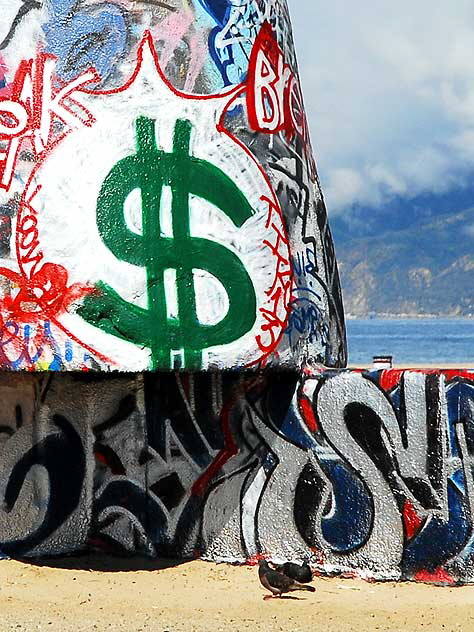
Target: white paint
(166,217)
(171,293)
(133,212)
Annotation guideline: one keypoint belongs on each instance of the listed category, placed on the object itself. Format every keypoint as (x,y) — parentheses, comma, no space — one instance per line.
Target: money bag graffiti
(163,192)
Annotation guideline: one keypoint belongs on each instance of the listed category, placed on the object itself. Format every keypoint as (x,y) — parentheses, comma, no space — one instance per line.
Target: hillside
(425,268)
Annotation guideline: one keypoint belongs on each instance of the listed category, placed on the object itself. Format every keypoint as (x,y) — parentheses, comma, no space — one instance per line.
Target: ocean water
(436,341)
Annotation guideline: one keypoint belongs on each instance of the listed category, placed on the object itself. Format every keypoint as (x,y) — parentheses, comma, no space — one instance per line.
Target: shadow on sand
(103,562)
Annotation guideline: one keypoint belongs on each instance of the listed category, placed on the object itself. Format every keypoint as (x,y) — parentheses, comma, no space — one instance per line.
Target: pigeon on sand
(278,583)
(301,572)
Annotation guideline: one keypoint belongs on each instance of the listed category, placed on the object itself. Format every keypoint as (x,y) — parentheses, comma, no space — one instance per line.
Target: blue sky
(389,93)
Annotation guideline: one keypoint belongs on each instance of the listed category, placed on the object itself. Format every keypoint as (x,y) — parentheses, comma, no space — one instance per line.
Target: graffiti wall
(361,473)
(160,210)
(159,202)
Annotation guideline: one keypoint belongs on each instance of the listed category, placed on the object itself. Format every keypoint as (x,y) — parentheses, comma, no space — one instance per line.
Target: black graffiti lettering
(61,453)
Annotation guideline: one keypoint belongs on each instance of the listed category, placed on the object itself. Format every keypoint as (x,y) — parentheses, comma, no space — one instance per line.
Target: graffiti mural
(160,212)
(158,191)
(366,473)
(161,219)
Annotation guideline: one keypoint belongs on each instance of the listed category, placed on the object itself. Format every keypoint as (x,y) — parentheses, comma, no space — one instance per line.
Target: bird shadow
(266,597)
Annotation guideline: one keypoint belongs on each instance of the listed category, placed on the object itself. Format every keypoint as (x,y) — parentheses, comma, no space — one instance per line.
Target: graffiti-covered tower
(167,273)
(160,198)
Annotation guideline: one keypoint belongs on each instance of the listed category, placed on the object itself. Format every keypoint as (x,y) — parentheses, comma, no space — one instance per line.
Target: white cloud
(389,92)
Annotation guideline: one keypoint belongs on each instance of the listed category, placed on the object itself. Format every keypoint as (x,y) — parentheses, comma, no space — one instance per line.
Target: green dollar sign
(149,170)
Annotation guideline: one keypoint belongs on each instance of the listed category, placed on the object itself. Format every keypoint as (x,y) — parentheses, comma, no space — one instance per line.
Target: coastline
(388,316)
(412,342)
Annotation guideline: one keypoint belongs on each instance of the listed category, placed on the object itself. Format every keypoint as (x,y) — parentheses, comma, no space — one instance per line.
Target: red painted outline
(262,361)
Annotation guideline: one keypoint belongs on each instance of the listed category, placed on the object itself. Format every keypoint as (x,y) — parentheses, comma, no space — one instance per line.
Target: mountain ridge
(423,268)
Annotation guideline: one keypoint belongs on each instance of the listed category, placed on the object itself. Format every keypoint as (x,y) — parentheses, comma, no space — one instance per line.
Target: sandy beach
(90,593)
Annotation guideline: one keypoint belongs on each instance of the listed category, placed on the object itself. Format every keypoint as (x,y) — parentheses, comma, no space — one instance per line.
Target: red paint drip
(230,450)
(308,415)
(411,520)
(439,576)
